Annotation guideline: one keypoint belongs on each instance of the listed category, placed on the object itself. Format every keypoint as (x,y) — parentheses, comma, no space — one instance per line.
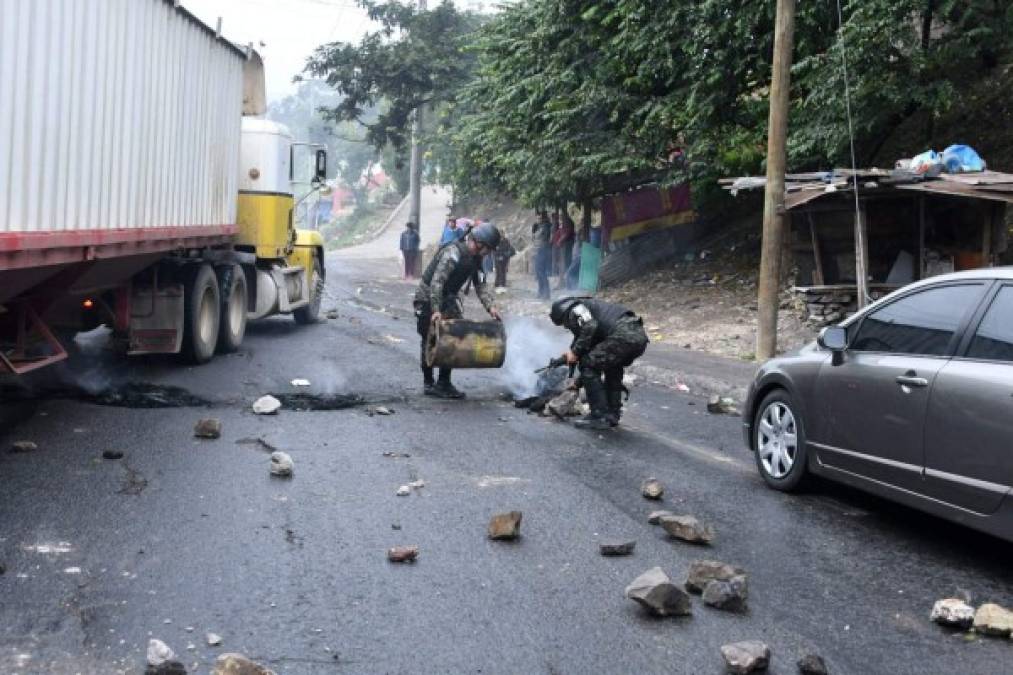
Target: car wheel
(779,442)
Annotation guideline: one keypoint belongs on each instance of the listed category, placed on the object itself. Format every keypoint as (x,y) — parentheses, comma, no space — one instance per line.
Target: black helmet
(486,234)
(561,307)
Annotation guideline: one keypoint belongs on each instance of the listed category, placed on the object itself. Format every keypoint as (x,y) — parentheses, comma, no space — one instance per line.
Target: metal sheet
(115,114)
(949,188)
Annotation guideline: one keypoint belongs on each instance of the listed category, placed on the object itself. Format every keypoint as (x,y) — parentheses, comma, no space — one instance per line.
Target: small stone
(332,314)
(266,405)
(112,454)
(23,446)
(652,488)
(505,525)
(208,427)
(300,382)
(417,484)
(952,612)
(721,405)
(812,664)
(166,668)
(728,595)
(746,657)
(617,548)
(400,554)
(992,619)
(281,464)
(655,517)
(566,404)
(688,528)
(237,664)
(702,572)
(655,591)
(214,639)
(382,410)
(159,652)
(403,491)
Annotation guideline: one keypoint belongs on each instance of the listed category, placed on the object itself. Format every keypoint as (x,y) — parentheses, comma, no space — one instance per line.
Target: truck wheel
(232,322)
(311,312)
(201,313)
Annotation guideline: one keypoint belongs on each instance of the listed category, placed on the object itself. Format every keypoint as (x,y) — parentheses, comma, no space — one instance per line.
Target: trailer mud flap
(156,319)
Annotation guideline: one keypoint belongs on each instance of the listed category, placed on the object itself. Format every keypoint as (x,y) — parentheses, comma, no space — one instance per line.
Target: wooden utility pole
(415,166)
(774,215)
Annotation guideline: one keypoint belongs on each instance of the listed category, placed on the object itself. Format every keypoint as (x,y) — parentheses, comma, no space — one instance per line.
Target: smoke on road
(530,344)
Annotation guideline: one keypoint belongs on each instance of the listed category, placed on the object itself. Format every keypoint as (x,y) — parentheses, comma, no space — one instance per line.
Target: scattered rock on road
(266,405)
(417,484)
(166,668)
(208,427)
(332,314)
(159,652)
(505,525)
(728,595)
(237,664)
(112,454)
(566,404)
(613,548)
(281,464)
(992,619)
(952,612)
(400,554)
(812,664)
(300,382)
(403,491)
(656,592)
(688,528)
(746,657)
(378,410)
(702,572)
(652,488)
(396,454)
(23,446)
(214,639)
(655,516)
(721,405)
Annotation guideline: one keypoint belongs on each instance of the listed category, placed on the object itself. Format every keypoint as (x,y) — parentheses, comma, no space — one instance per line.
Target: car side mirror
(834,339)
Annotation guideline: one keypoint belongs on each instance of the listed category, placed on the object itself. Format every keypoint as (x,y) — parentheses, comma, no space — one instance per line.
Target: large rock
(812,664)
(992,619)
(702,572)
(728,595)
(746,657)
(688,528)
(281,464)
(505,525)
(655,517)
(237,664)
(266,405)
(208,427)
(656,592)
(652,488)
(952,612)
(159,652)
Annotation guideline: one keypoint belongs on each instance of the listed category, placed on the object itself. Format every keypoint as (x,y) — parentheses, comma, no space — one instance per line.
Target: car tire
(201,313)
(779,442)
(232,323)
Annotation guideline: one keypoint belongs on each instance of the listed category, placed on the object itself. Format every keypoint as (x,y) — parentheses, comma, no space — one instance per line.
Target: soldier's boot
(428,382)
(615,406)
(597,419)
(444,389)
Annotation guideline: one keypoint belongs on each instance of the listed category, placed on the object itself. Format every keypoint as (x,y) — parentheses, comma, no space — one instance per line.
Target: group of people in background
(455,229)
(556,245)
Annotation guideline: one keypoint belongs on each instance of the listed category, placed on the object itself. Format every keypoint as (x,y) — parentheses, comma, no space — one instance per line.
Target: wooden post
(861,257)
(773,204)
(818,278)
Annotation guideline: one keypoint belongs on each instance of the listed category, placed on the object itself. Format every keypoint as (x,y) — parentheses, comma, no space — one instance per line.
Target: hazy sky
(289,29)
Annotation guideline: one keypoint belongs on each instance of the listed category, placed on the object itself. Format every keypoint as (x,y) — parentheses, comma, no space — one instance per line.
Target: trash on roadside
(652,488)
(208,427)
(266,405)
(505,526)
(746,656)
(681,387)
(687,528)
(281,464)
(300,382)
(654,591)
(400,554)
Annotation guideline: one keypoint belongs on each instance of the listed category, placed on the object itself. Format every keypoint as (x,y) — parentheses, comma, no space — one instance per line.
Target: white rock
(266,405)
(404,491)
(159,652)
(417,484)
(952,612)
(300,382)
(214,639)
(281,464)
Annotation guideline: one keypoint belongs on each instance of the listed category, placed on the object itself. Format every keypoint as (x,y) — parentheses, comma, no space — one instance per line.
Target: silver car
(911,399)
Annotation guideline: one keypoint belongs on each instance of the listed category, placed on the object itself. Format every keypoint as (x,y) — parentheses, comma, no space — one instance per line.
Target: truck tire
(232,322)
(311,312)
(201,313)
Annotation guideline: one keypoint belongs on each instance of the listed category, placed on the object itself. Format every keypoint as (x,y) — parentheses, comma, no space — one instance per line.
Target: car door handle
(909,381)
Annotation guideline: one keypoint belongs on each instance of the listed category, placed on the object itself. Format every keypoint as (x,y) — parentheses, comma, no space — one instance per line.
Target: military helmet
(486,234)
(561,307)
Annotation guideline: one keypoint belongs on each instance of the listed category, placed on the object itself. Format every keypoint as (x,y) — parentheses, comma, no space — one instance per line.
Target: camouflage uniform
(607,338)
(450,269)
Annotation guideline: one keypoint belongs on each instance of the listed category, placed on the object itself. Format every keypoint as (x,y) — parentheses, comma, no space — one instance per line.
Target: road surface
(184,536)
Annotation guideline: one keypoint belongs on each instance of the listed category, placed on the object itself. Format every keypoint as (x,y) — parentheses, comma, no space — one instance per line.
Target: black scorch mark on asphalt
(309,402)
(130,395)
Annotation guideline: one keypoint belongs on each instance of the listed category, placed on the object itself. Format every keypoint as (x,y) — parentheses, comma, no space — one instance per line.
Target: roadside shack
(908,228)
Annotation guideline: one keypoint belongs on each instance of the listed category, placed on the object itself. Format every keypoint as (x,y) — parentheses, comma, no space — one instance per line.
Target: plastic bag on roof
(926,162)
(961,159)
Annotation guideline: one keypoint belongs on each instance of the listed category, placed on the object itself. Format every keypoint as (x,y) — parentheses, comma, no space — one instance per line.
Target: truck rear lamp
(88,304)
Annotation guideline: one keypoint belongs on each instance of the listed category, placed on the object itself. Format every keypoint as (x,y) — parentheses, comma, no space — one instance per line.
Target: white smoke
(531,343)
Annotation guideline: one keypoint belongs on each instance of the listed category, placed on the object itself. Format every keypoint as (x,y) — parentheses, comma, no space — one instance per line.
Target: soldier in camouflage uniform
(607,338)
(454,265)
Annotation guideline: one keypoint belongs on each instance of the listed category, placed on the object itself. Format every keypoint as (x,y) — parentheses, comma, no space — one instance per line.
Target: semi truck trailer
(141,186)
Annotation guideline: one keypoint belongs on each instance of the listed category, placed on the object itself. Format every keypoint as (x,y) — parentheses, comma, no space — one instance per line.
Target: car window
(994,338)
(921,323)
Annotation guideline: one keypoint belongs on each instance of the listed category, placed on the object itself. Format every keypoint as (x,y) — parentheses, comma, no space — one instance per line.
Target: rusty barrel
(459,343)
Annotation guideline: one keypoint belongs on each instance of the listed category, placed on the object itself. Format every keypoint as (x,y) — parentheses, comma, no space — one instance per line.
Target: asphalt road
(184,536)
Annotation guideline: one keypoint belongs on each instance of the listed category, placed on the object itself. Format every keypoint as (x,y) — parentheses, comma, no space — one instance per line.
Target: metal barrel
(458,343)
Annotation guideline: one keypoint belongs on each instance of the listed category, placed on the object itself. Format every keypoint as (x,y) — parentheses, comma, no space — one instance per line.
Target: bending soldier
(607,338)
(454,264)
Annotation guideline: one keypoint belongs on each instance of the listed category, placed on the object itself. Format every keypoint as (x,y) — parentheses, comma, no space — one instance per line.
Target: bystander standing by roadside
(410,243)
(502,256)
(541,233)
